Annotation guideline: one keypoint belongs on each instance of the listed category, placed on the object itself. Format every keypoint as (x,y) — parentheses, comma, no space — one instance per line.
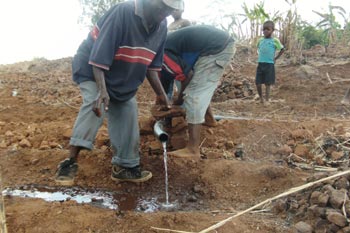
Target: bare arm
(279,54)
(184,84)
(153,79)
(102,97)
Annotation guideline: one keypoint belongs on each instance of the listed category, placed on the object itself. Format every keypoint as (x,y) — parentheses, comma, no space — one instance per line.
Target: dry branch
(290,191)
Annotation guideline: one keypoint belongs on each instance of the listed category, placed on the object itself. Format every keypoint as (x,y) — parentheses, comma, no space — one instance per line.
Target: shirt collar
(139,11)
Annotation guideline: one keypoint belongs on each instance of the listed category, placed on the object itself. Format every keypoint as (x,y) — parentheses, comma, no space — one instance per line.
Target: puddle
(98,198)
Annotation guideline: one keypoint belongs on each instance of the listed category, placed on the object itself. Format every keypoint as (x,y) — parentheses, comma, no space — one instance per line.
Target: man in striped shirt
(125,45)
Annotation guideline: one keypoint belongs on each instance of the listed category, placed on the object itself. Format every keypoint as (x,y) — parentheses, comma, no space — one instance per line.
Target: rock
(54,145)
(291,142)
(301,134)
(44,145)
(285,150)
(336,155)
(321,225)
(337,218)
(323,200)
(317,211)
(3,145)
(229,145)
(213,155)
(67,134)
(337,199)
(210,131)
(302,227)
(344,230)
(342,183)
(314,197)
(146,126)
(24,143)
(302,151)
(9,134)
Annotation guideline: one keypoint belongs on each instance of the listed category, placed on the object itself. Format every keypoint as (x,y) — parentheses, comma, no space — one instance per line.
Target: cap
(175,4)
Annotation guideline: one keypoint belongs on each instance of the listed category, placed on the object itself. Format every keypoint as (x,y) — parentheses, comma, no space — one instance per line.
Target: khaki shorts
(208,71)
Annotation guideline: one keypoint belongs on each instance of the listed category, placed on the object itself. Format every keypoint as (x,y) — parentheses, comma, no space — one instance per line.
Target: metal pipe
(159,131)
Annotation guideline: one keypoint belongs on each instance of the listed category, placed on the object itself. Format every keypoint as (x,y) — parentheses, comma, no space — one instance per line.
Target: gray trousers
(123,126)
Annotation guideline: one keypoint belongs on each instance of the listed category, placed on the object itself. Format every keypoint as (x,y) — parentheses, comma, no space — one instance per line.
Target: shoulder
(127,7)
(275,39)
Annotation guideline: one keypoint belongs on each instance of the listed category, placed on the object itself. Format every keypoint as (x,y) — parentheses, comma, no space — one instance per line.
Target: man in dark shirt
(125,45)
(196,56)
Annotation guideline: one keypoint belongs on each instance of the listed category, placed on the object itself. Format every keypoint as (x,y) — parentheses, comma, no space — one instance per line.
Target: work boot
(130,174)
(66,172)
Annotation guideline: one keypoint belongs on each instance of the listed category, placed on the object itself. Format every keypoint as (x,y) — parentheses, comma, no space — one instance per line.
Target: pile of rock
(233,86)
(324,209)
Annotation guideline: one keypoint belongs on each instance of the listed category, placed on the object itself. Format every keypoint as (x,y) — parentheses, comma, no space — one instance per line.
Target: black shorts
(265,73)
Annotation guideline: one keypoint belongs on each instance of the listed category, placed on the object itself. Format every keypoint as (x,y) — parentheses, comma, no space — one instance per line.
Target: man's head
(158,10)
(268,28)
(177,14)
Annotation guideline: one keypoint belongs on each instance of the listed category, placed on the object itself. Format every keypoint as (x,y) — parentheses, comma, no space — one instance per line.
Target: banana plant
(329,22)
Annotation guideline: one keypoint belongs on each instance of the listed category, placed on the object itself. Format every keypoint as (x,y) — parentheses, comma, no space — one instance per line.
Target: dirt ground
(261,152)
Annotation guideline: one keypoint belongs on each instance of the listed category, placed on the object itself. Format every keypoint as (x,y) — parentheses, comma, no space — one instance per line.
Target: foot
(184,153)
(134,174)
(209,121)
(66,172)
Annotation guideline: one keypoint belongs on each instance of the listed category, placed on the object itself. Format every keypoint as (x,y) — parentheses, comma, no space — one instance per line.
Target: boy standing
(265,73)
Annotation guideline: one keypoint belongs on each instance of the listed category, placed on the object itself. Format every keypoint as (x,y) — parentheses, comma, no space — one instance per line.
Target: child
(265,73)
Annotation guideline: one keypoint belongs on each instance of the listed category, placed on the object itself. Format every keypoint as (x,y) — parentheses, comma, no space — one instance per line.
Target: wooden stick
(163,229)
(329,78)
(290,191)
(3,227)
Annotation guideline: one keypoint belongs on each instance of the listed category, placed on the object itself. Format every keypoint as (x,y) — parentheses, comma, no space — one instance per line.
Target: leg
(209,118)
(259,89)
(125,139)
(84,133)
(192,149)
(268,88)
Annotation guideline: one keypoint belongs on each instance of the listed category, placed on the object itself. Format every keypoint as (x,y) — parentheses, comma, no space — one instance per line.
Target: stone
(336,155)
(67,133)
(302,227)
(337,199)
(323,200)
(24,143)
(285,150)
(302,151)
(314,197)
(229,145)
(337,218)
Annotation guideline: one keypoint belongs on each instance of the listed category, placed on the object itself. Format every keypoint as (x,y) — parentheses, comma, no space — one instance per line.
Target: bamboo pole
(3,227)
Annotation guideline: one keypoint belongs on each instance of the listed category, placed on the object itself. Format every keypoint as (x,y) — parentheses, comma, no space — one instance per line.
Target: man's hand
(102,98)
(179,100)
(159,113)
(163,102)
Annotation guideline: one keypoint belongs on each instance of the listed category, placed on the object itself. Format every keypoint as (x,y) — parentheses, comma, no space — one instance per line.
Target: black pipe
(159,131)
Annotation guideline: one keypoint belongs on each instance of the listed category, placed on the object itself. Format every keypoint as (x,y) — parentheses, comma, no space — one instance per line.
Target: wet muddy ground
(254,153)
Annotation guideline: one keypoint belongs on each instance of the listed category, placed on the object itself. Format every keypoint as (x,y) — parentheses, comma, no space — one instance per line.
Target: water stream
(167,204)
